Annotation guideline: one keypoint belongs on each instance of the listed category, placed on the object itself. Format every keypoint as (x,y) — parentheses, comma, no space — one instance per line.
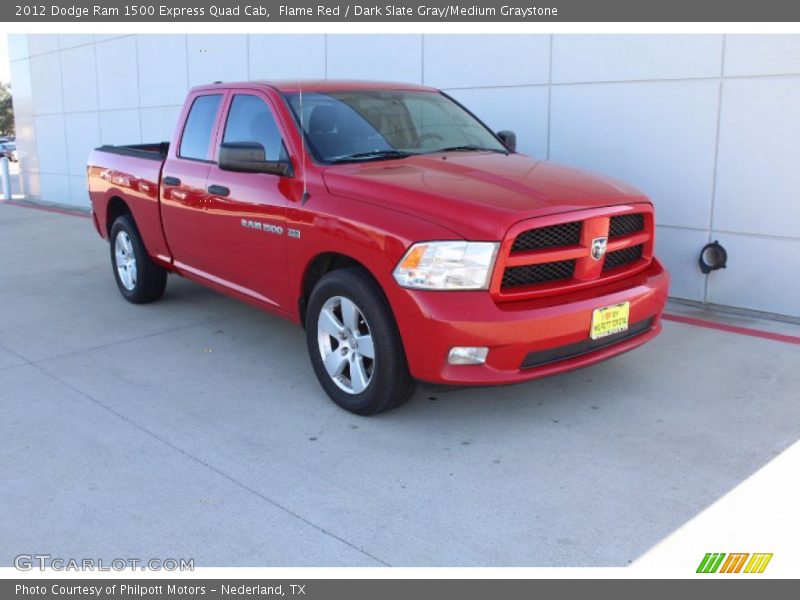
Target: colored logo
(719,562)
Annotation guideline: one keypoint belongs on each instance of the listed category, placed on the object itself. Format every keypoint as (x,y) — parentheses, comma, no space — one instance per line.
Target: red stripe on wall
(53,209)
(759,333)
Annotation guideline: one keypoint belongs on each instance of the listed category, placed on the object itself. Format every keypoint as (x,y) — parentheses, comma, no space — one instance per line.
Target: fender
(139,191)
(372,235)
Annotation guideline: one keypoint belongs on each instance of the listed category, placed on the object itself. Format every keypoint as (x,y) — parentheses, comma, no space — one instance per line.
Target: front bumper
(526,339)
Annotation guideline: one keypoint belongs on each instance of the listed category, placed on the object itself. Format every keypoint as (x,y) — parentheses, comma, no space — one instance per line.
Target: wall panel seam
(626,81)
(550,96)
(720,86)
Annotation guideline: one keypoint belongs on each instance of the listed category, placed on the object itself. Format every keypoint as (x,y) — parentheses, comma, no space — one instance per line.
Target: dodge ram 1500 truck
(411,241)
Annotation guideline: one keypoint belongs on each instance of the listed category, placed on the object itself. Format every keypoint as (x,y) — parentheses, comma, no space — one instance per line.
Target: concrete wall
(707,125)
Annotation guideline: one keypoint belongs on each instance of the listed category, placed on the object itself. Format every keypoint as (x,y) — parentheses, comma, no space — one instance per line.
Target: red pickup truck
(411,241)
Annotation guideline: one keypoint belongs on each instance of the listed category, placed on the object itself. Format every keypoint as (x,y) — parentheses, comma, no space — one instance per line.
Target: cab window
(199,125)
(251,120)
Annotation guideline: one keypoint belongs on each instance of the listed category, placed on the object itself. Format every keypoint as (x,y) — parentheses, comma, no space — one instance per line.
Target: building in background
(707,125)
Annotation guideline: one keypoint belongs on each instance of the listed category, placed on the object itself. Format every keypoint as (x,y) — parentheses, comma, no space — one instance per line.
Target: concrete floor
(194,428)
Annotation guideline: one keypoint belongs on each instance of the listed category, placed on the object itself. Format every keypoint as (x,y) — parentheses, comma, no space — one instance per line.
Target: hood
(477,195)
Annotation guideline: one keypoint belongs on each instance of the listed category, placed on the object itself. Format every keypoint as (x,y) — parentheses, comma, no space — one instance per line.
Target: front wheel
(139,279)
(354,345)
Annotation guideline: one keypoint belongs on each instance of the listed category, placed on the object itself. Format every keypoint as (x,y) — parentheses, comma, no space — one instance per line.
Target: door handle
(167,180)
(218,190)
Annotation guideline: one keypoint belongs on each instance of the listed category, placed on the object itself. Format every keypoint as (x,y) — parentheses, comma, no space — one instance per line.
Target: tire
(348,303)
(138,278)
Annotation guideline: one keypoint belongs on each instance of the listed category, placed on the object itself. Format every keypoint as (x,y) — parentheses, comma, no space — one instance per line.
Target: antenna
(304,197)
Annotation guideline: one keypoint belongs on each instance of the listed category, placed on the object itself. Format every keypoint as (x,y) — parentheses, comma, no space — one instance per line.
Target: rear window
(197,131)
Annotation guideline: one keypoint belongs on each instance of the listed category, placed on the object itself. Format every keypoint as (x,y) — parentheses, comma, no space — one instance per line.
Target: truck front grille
(557,257)
(625,225)
(533,274)
(620,258)
(564,234)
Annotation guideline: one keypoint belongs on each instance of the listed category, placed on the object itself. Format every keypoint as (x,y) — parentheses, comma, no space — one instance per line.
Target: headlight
(447,266)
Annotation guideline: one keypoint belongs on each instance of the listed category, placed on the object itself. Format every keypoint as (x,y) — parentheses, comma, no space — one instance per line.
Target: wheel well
(319,267)
(116,208)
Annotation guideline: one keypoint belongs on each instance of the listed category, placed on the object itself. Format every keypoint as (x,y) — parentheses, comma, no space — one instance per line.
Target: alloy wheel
(345,344)
(126,260)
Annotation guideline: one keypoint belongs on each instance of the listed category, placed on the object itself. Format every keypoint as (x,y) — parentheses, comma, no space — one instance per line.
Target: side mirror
(509,139)
(250,157)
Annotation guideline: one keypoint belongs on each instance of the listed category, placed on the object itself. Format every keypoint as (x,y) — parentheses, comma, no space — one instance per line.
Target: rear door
(247,211)
(184,198)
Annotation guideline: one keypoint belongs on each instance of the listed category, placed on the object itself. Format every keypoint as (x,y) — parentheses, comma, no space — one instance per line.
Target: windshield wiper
(469,148)
(370,155)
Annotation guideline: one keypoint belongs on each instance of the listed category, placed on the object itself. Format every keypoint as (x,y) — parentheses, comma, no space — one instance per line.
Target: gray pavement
(194,428)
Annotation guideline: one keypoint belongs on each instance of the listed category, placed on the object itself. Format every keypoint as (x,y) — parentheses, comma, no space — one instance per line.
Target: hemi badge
(294,233)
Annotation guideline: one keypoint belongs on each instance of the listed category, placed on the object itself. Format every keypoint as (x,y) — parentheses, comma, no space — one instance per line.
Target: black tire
(390,384)
(151,279)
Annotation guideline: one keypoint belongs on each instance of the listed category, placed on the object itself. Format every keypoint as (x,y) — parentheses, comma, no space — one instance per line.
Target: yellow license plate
(610,320)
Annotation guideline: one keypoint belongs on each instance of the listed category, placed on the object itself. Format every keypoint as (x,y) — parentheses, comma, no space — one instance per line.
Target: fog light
(467,355)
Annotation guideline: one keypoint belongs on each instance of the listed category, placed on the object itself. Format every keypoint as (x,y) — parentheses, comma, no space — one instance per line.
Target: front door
(247,211)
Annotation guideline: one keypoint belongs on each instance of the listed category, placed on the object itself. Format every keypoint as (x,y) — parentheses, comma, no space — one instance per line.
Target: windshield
(380,125)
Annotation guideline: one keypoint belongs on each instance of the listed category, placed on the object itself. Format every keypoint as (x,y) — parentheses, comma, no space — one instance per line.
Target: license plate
(610,320)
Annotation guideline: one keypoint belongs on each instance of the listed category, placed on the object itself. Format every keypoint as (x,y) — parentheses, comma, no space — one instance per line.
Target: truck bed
(154,151)
(129,176)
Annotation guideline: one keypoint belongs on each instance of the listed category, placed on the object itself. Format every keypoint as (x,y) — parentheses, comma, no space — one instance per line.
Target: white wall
(707,125)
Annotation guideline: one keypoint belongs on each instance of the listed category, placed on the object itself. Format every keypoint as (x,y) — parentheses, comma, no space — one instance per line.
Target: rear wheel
(354,344)
(138,278)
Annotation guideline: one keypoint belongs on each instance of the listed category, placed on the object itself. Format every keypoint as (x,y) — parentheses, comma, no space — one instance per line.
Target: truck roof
(317,85)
